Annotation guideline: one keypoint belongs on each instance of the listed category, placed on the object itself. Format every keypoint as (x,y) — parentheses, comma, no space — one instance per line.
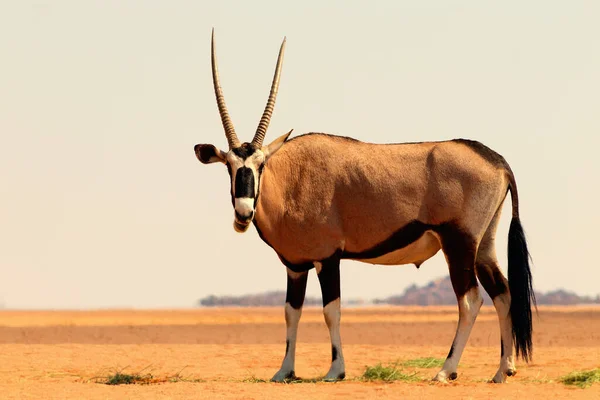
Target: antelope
(318,198)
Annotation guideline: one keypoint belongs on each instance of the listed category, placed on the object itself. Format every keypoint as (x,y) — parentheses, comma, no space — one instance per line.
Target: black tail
(521,289)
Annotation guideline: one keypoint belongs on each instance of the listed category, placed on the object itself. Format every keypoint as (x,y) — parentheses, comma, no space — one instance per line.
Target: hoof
(334,378)
(282,376)
(500,377)
(444,377)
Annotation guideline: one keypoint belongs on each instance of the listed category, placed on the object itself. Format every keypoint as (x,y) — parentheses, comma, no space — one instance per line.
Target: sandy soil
(58,355)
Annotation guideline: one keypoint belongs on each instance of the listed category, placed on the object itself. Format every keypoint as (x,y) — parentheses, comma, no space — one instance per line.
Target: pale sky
(103,203)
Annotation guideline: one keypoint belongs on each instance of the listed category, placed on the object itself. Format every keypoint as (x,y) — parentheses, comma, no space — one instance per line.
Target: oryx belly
(416,252)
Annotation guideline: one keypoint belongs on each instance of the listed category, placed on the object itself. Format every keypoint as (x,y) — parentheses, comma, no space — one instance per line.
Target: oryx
(317,199)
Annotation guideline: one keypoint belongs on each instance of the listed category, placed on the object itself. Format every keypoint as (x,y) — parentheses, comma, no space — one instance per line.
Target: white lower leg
(507,364)
(292,318)
(468,308)
(332,315)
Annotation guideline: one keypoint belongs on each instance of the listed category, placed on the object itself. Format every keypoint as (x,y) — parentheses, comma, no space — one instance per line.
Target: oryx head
(245,161)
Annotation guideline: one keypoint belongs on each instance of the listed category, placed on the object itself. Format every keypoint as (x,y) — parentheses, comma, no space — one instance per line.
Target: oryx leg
(496,285)
(329,279)
(459,249)
(296,289)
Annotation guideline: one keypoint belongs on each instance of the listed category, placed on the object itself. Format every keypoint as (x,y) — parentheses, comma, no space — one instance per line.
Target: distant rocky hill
(440,292)
(436,292)
(562,297)
(276,298)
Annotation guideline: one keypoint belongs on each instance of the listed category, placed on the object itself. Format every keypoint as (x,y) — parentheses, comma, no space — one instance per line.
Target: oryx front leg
(329,279)
(296,289)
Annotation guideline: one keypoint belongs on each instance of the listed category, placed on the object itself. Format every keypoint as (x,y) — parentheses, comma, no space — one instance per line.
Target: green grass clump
(120,378)
(387,373)
(582,379)
(426,362)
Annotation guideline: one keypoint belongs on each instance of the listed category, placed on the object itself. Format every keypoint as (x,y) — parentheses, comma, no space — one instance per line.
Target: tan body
(369,192)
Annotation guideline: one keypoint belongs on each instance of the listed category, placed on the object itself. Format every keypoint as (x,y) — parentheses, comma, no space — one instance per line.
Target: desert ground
(229,353)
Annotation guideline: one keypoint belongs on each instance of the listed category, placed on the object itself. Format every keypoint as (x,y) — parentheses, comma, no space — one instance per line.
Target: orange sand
(57,355)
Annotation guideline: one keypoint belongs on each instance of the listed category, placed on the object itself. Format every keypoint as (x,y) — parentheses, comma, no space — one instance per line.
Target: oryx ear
(207,153)
(275,145)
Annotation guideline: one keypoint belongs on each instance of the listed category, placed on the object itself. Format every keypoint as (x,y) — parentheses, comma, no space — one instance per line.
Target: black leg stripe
(329,279)
(451,351)
(296,289)
(491,279)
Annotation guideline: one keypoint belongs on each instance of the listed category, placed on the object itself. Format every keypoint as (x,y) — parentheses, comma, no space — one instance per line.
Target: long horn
(261,131)
(232,138)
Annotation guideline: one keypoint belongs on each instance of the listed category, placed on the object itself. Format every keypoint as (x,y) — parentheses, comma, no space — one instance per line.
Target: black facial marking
(244,183)
(260,170)
(334,353)
(329,279)
(231,189)
(296,289)
(243,218)
(245,150)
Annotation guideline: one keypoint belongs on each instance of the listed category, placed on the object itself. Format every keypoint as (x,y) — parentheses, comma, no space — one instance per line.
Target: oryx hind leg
(329,278)
(460,249)
(296,290)
(496,285)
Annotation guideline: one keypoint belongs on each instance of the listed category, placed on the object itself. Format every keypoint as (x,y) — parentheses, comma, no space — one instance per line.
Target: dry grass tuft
(426,362)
